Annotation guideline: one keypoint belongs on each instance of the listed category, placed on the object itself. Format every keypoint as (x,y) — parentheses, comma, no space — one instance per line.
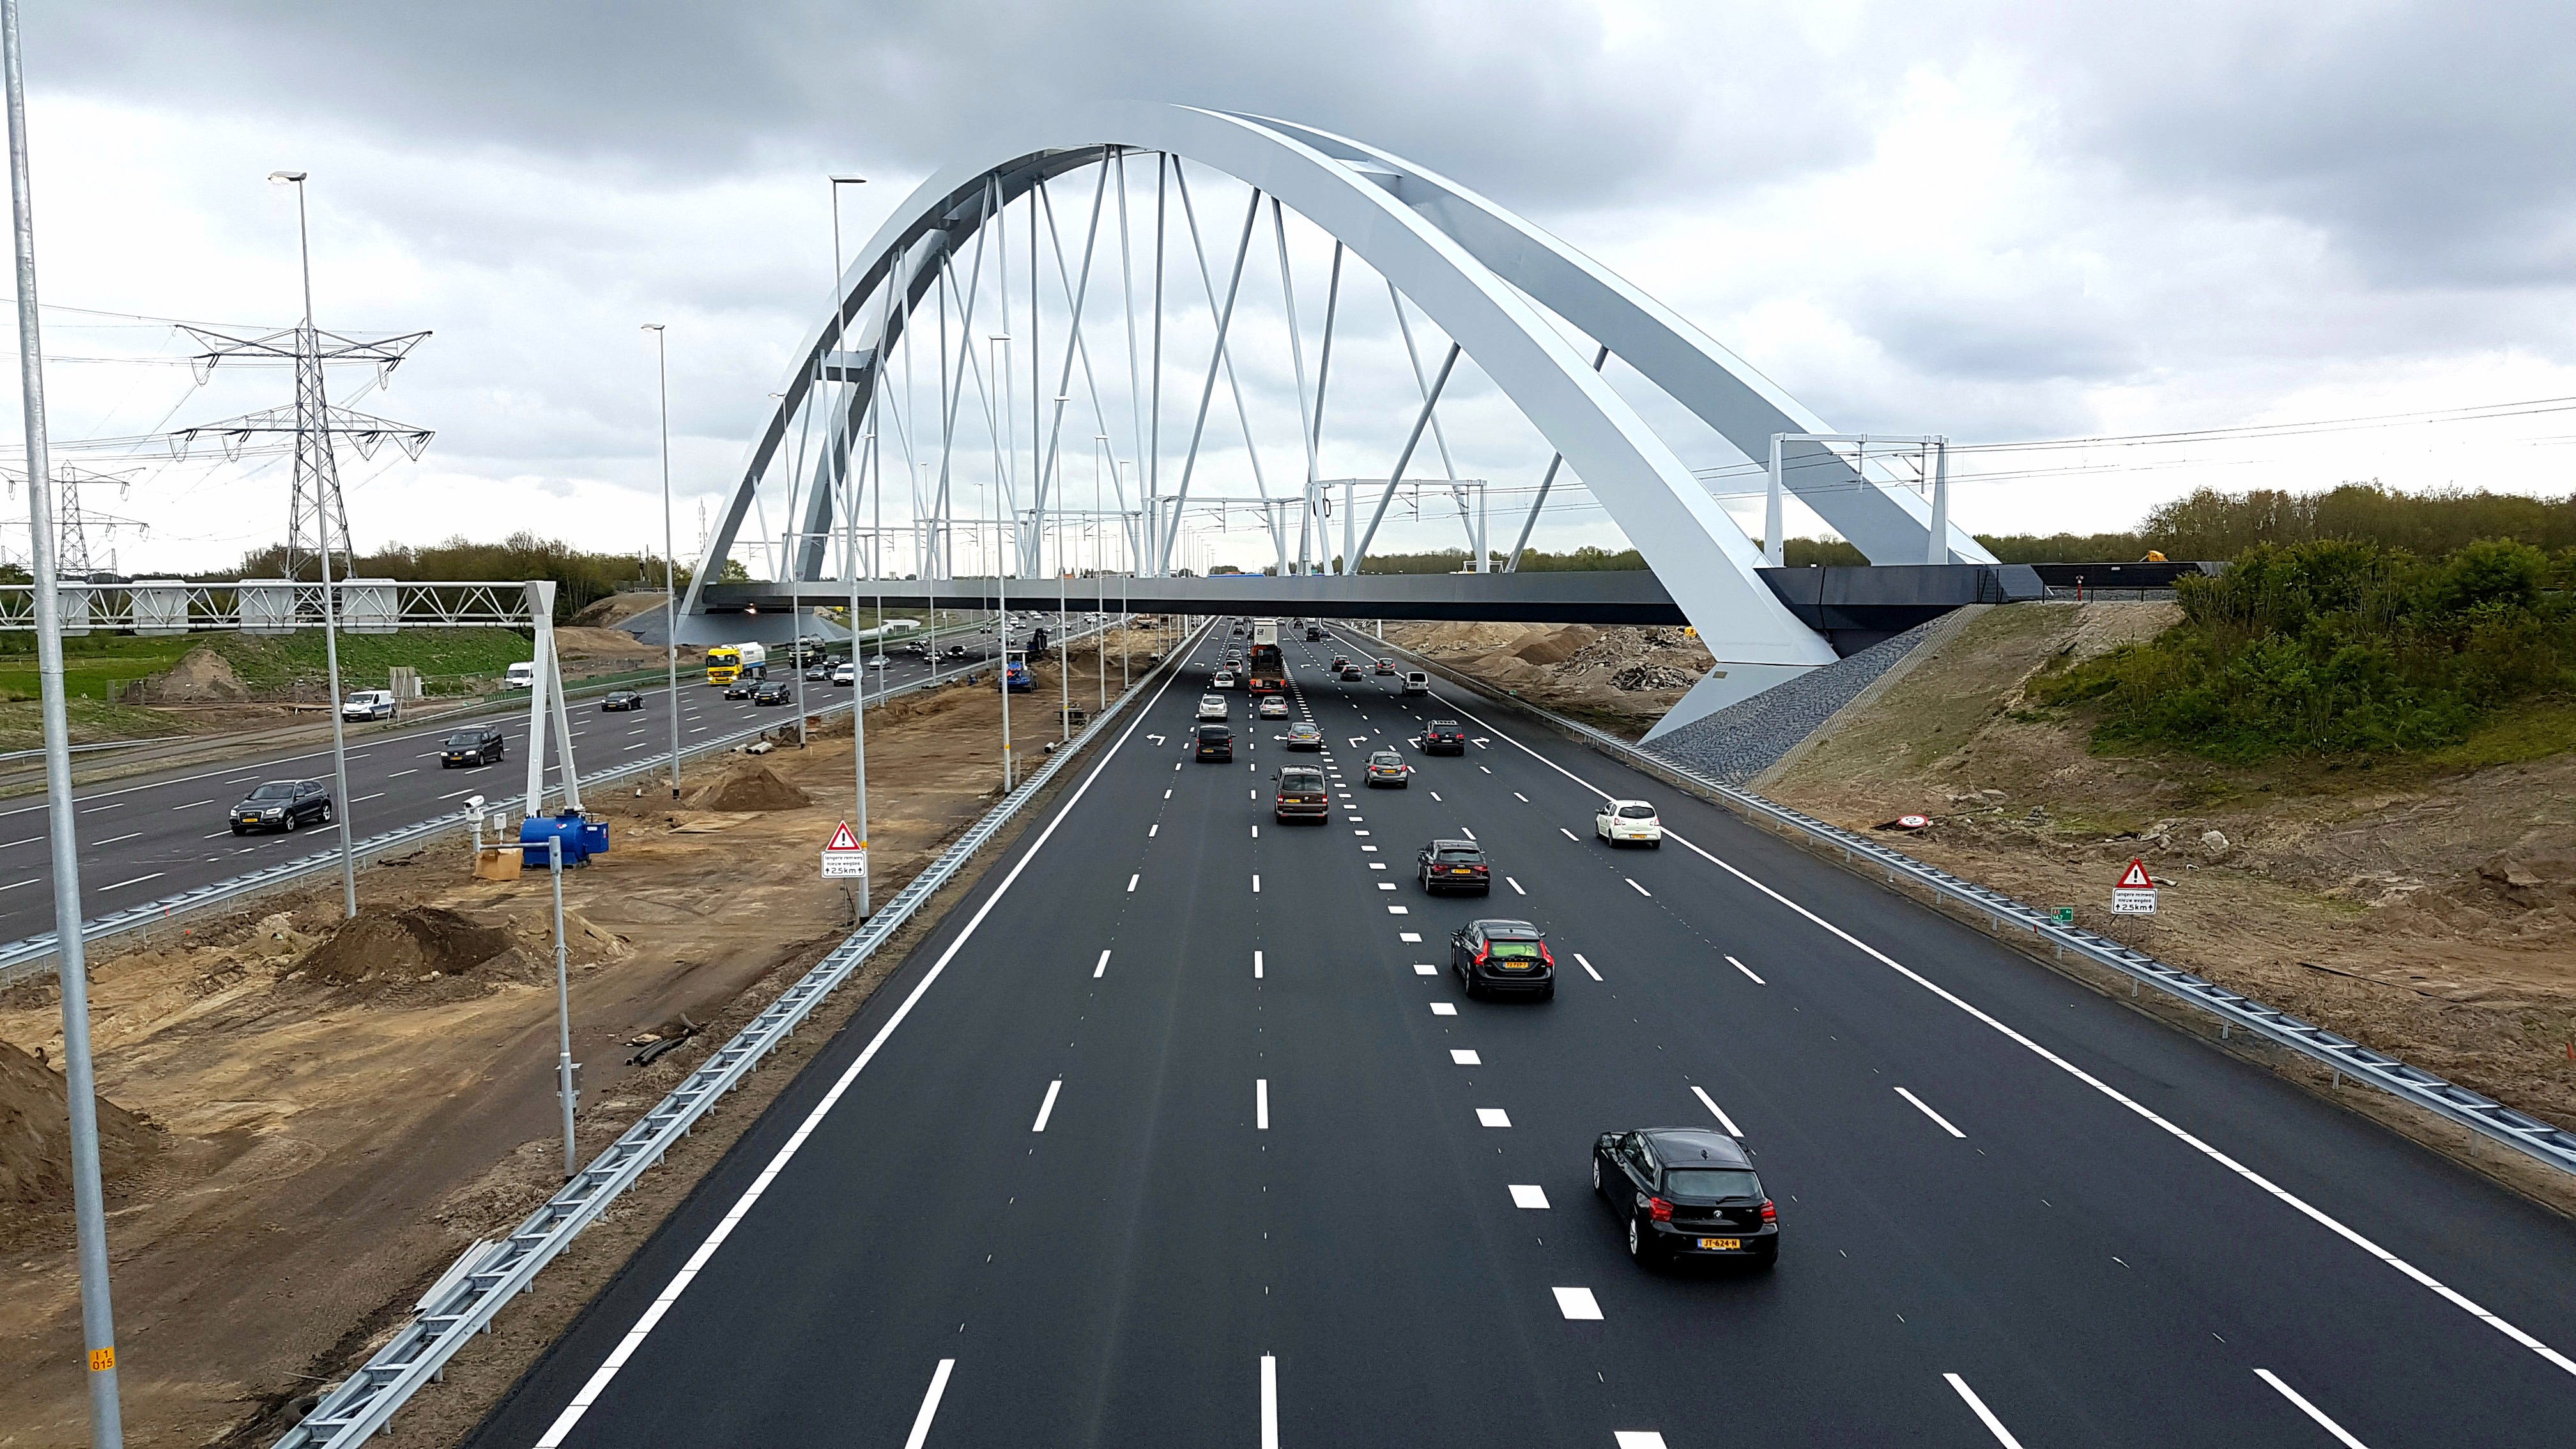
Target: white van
(368,704)
(522,675)
(1417,682)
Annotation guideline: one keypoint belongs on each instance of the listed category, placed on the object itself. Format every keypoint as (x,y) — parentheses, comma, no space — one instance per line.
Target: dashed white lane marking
(1256,885)
(1568,834)
(1637,1439)
(363,799)
(1261,1103)
(1365,849)
(1424,968)
(2342,1436)
(138,880)
(1131,881)
(1046,1108)
(1984,1415)
(1444,1008)
(1461,1057)
(1256,965)
(1153,830)
(1359,832)
(1493,1117)
(1176,764)
(920,1434)
(1716,1111)
(1517,795)
(1102,969)
(1586,965)
(1256,832)
(1269,1402)
(1435,795)
(130,835)
(1928,1112)
(1167,794)
(467,791)
(1515,885)
(1399,911)
(396,775)
(1412,937)
(1480,767)
(13,885)
(191,805)
(1641,890)
(110,805)
(1251,794)
(1384,885)
(1529,1195)
(2245,1174)
(1463,830)
(1577,1303)
(1747,970)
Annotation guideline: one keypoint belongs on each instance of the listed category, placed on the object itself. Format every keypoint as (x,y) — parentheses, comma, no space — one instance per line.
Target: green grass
(273,661)
(93,721)
(92,663)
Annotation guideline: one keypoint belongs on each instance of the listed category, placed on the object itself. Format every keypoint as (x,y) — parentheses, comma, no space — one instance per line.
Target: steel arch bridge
(1496,286)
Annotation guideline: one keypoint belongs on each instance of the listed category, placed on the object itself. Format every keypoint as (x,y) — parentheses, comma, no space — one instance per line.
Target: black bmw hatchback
(1684,1193)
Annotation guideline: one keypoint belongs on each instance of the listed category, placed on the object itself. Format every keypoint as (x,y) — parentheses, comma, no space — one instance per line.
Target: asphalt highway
(155,835)
(1177,1132)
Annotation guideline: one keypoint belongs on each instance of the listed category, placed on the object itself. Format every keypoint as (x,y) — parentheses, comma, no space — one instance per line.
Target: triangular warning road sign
(842,839)
(2135,878)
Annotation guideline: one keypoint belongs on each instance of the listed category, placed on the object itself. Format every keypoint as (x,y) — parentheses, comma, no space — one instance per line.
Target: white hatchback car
(1211,707)
(1628,822)
(1274,706)
(1223,679)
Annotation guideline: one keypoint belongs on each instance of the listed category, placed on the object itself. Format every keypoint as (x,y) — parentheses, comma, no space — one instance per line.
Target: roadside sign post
(2135,895)
(846,858)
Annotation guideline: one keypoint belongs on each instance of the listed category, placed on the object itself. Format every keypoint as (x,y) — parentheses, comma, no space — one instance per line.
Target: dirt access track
(309,1121)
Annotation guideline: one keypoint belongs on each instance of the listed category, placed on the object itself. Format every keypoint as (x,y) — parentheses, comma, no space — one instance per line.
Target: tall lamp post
(850,509)
(670,574)
(80,1086)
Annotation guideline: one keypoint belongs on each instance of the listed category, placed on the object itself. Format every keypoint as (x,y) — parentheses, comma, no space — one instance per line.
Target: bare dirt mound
(203,677)
(1621,678)
(380,947)
(35,1135)
(748,787)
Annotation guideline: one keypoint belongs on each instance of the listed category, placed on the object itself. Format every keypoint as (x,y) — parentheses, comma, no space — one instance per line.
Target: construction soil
(307,1121)
(1620,678)
(2424,907)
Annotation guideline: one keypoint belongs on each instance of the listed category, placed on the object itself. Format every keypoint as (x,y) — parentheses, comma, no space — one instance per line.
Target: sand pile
(35,1134)
(404,944)
(748,787)
(203,677)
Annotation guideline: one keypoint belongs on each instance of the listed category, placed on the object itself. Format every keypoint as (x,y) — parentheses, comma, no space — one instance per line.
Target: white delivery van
(522,675)
(368,704)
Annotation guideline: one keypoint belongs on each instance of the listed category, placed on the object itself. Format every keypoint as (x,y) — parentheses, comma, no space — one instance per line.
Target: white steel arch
(1473,269)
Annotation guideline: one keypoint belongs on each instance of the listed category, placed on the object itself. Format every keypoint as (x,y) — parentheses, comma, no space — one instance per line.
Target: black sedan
(741,688)
(1215,743)
(621,699)
(1502,957)
(283,805)
(1454,865)
(1350,673)
(1686,1192)
(775,691)
(480,745)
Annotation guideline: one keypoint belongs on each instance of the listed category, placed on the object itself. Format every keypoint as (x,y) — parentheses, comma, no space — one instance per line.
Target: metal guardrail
(100,745)
(490,1275)
(33,956)
(2529,1135)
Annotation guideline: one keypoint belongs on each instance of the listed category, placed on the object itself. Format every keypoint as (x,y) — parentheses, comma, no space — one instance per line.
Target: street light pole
(308,349)
(563,1006)
(850,512)
(80,1085)
(670,575)
(1001,590)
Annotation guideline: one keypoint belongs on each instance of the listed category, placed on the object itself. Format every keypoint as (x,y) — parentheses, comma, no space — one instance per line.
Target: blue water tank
(569,825)
(594,837)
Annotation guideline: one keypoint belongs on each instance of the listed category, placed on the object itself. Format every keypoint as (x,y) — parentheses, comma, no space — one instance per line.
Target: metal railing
(2529,1135)
(489,1275)
(33,956)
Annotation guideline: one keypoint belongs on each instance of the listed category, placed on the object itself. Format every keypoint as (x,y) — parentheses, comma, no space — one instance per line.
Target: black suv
(1215,742)
(621,699)
(1502,957)
(1454,865)
(775,691)
(480,745)
(1686,1192)
(283,805)
(1443,737)
(741,688)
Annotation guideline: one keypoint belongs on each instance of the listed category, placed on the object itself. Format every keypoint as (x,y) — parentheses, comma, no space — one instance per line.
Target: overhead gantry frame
(1479,273)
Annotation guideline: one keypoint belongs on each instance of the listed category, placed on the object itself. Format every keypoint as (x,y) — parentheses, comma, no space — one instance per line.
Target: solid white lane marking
(1641,890)
(1465,1058)
(1414,937)
(1568,834)
(1716,1111)
(191,805)
(1269,1402)
(1046,1108)
(1102,969)
(2342,1435)
(1261,1103)
(1577,1303)
(1492,1117)
(1424,968)
(929,1406)
(1529,1195)
(1928,1112)
(1586,965)
(1984,1415)
(138,880)
(1131,881)
(2255,1179)
(1747,970)
(1256,965)
(1515,885)
(1443,1008)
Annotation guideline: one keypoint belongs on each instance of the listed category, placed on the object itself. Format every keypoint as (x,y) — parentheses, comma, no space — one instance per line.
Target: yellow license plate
(1728,1245)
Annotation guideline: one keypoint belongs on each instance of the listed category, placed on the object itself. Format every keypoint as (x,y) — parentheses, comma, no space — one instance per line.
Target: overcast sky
(2001,222)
